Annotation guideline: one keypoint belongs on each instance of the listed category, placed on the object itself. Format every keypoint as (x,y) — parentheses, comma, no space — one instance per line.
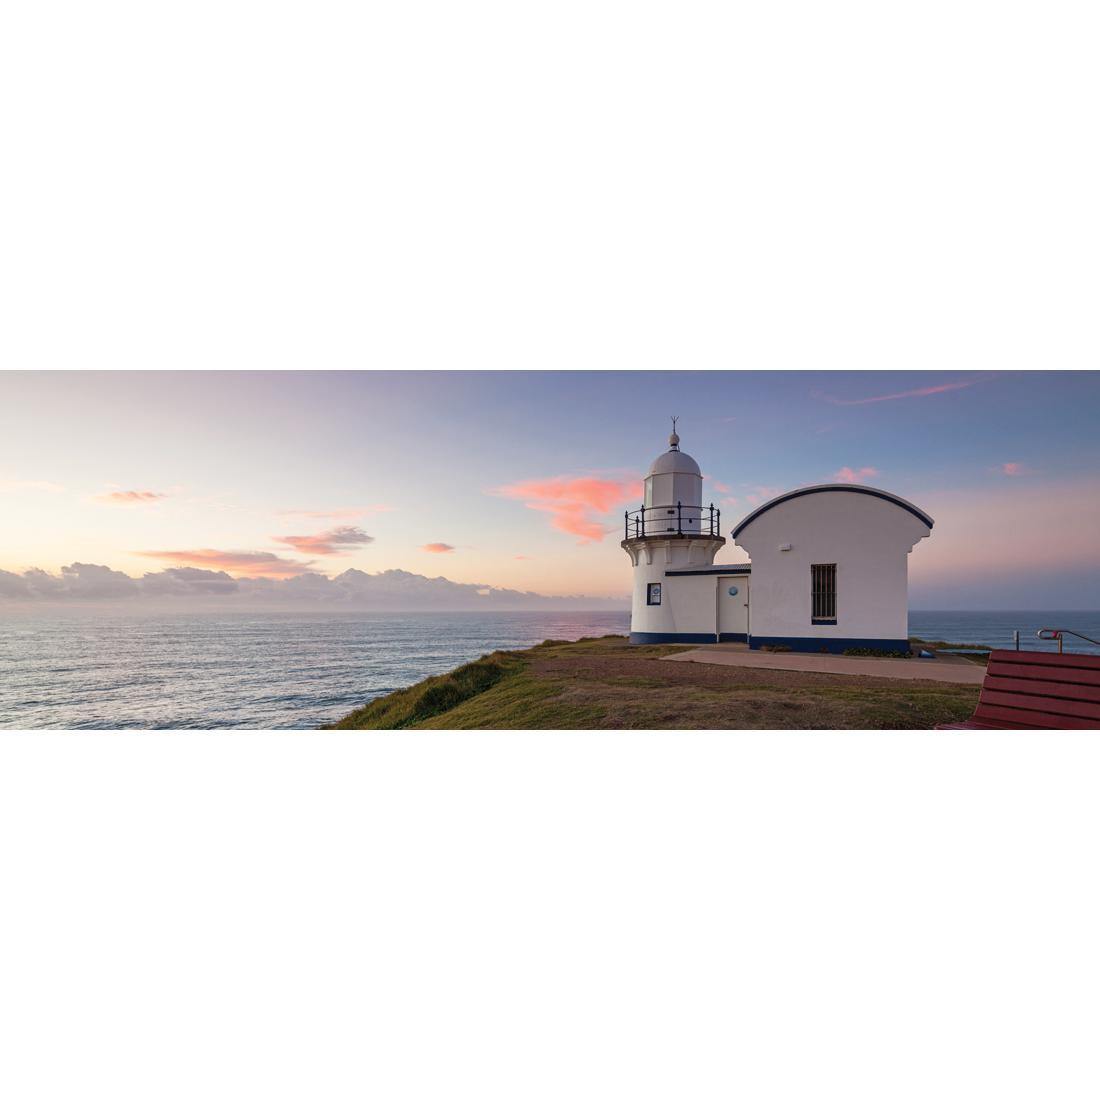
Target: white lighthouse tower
(672,531)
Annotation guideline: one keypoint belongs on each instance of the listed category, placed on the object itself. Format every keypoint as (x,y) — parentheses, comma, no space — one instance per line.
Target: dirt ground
(606,684)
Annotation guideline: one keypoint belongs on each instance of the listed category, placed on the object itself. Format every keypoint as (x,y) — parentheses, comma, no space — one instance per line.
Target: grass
(604,683)
(437,695)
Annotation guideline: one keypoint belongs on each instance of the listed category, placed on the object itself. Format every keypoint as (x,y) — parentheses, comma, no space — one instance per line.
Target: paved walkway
(948,670)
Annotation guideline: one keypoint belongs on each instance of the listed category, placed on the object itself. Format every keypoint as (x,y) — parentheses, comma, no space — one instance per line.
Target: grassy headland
(604,683)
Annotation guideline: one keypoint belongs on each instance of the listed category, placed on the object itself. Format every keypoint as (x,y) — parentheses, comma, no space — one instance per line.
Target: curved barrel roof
(868,490)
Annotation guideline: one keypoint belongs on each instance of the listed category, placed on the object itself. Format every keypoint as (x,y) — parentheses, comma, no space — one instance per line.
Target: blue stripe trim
(831,645)
(645,637)
(733,637)
(865,489)
(728,571)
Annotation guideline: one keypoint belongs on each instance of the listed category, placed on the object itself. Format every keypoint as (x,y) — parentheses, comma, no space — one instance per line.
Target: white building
(828,565)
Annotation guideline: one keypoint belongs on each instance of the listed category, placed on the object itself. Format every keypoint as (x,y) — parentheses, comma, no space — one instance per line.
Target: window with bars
(653,595)
(823,595)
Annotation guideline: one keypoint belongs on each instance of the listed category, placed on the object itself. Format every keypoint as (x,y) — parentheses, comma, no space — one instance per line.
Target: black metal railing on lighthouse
(673,519)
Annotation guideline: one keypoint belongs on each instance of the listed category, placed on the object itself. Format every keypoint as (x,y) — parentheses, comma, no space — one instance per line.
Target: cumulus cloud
(575,504)
(131,496)
(42,584)
(852,477)
(245,563)
(438,548)
(337,541)
(393,589)
(189,581)
(13,586)
(96,582)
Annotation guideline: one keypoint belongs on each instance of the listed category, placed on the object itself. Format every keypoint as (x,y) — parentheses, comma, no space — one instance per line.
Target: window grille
(823,594)
(653,594)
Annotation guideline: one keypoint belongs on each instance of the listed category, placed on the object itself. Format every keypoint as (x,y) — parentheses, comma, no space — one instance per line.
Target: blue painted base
(644,637)
(832,645)
(733,637)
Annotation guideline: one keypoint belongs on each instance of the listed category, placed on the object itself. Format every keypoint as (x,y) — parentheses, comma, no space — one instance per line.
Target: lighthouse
(828,568)
(671,533)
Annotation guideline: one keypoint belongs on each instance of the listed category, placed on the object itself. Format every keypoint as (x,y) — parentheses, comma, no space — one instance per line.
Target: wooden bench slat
(1088,693)
(1064,660)
(1046,674)
(1040,704)
(1030,719)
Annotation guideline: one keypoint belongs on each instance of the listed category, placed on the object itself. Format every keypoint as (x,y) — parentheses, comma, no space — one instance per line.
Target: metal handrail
(1051,634)
(672,519)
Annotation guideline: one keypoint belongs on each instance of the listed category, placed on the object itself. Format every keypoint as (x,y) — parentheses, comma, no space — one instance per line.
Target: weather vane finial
(674,439)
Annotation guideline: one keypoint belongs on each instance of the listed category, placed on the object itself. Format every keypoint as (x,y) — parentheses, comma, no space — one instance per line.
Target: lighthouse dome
(675,462)
(674,478)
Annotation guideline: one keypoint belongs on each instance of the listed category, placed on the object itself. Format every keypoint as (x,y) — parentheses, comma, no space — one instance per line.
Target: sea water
(300,671)
(241,670)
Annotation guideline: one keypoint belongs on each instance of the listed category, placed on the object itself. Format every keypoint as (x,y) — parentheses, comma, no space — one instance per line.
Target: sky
(518,480)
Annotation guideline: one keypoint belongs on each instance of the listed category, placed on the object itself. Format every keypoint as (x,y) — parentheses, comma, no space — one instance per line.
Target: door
(733,608)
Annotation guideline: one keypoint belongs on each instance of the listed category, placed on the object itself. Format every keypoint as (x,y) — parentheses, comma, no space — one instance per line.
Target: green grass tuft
(438,694)
(870,651)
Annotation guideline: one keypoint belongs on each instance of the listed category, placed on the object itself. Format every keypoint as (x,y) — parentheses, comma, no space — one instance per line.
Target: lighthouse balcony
(673,521)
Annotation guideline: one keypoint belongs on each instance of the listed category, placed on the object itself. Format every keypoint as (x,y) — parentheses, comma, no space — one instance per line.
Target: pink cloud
(337,541)
(720,487)
(1012,469)
(242,563)
(926,391)
(522,557)
(847,474)
(575,503)
(438,548)
(131,496)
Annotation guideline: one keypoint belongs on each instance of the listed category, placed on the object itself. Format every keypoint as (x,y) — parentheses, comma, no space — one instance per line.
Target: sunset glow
(520,481)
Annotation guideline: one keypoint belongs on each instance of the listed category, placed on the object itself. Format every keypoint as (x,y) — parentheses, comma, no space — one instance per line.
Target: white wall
(867,537)
(662,489)
(687,603)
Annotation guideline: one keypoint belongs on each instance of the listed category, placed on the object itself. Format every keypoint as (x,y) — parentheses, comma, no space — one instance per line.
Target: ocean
(300,671)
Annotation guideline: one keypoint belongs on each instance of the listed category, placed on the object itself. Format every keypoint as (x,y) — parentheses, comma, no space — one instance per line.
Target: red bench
(1037,691)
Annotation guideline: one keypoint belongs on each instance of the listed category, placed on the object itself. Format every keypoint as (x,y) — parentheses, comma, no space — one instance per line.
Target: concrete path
(948,670)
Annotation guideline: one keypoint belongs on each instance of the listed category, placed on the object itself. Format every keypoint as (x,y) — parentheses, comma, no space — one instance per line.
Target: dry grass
(603,683)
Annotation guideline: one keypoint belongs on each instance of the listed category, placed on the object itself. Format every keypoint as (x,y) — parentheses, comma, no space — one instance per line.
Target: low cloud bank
(392,590)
